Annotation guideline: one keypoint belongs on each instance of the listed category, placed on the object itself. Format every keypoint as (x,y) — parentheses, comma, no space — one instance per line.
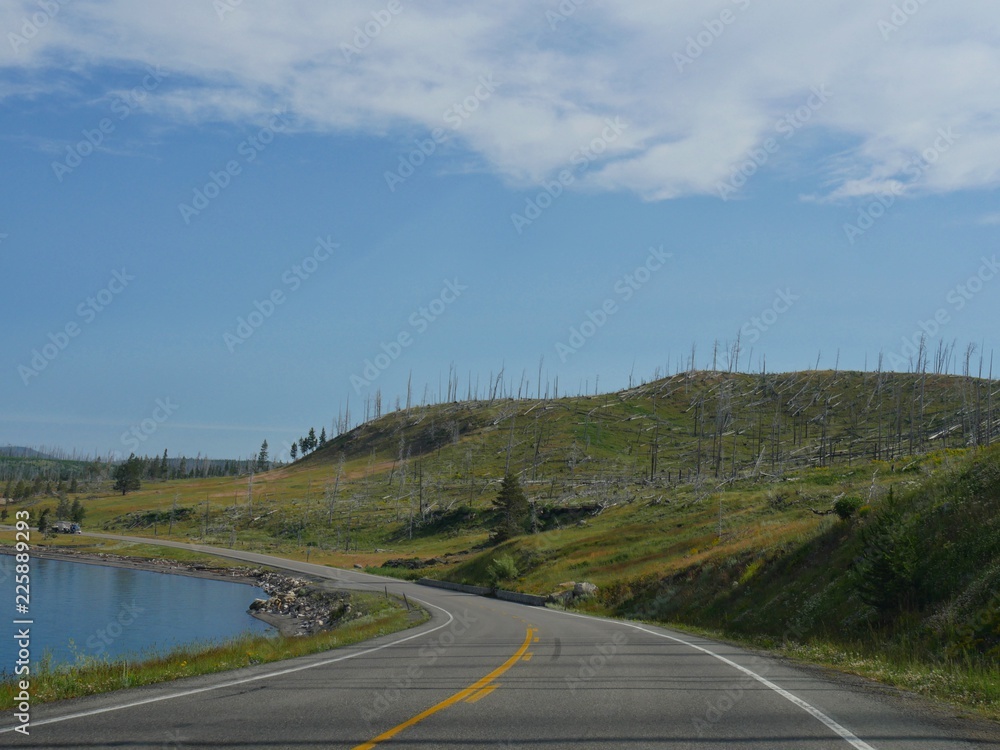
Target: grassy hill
(28,467)
(704,499)
(414,474)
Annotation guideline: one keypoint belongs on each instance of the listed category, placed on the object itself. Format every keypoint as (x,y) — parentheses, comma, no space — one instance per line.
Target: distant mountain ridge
(20,451)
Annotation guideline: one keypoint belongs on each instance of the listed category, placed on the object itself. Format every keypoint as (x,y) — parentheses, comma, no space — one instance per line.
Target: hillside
(20,451)
(417,471)
(704,498)
(40,467)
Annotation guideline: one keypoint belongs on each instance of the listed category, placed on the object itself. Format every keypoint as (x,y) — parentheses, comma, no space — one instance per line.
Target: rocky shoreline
(296,606)
(299,607)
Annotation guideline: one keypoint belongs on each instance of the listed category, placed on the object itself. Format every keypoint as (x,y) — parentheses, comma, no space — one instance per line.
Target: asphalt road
(490,674)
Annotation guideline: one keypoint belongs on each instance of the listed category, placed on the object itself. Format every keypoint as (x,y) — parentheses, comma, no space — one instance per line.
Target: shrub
(502,568)
(846,507)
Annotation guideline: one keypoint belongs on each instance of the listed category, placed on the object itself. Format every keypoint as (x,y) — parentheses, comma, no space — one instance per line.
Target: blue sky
(217,214)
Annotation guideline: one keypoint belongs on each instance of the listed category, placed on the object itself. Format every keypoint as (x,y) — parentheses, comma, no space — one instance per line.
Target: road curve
(484,673)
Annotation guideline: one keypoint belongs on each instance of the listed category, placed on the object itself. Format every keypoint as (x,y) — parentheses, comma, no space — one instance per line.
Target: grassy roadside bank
(898,583)
(50,682)
(854,514)
(970,687)
(374,616)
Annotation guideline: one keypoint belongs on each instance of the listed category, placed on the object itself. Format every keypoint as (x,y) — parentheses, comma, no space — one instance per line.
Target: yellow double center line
(483,684)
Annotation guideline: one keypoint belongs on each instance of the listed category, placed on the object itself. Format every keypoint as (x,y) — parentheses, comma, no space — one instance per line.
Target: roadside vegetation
(377,616)
(844,517)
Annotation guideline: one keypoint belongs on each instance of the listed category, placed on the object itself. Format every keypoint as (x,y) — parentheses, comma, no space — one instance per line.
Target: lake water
(95,610)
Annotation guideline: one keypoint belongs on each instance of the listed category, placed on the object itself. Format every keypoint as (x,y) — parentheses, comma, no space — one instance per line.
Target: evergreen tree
(311,437)
(43,521)
(182,469)
(63,508)
(511,509)
(262,457)
(77,511)
(322,437)
(295,450)
(164,467)
(74,486)
(886,570)
(128,475)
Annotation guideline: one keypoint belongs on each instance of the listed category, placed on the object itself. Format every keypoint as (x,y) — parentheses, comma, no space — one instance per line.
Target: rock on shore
(298,607)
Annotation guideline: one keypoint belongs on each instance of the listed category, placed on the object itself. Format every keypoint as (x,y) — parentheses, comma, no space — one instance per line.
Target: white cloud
(897,81)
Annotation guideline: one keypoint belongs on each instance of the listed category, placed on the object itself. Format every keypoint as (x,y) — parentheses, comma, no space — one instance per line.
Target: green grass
(968,685)
(91,676)
(773,453)
(567,451)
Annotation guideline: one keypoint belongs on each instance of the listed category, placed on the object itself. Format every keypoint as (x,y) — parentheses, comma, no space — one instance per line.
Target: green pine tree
(128,475)
(512,510)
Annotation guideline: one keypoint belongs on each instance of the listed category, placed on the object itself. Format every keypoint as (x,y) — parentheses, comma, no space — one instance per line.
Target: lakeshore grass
(90,676)
(707,498)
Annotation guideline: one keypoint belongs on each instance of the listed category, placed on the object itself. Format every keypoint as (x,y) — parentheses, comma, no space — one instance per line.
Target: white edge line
(243,681)
(843,731)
